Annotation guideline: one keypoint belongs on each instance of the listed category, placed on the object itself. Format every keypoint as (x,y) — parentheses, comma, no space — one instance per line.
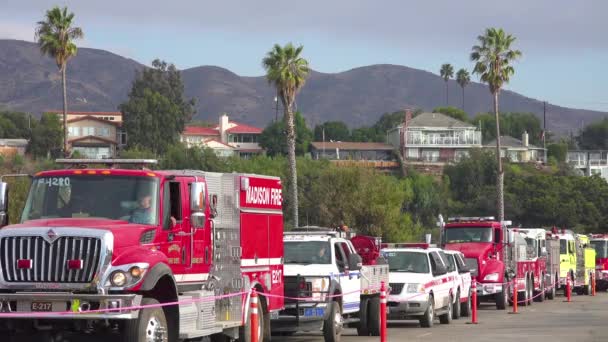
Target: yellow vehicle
(577,261)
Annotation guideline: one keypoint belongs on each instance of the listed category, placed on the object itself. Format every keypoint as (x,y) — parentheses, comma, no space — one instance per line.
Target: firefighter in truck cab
(113,249)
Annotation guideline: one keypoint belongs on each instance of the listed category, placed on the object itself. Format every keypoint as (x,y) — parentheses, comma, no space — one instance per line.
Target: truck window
(307,252)
(460,263)
(468,234)
(176,200)
(132,199)
(346,250)
(340,258)
(600,249)
(448,261)
(563,249)
(436,260)
(414,262)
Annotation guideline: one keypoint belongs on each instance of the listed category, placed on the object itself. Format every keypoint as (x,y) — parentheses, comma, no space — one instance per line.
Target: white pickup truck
(328,284)
(423,287)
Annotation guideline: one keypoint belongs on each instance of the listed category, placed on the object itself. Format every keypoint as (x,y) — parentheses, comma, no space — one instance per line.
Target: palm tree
(493,58)
(446,72)
(55,36)
(287,71)
(463,78)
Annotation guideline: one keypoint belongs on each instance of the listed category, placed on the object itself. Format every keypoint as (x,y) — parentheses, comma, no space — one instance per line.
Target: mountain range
(99,81)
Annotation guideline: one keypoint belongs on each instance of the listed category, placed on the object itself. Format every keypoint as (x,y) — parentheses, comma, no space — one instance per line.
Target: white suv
(421,287)
(463,284)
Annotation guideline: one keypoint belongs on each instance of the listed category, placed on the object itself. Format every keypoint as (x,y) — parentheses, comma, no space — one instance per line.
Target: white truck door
(441,287)
(349,280)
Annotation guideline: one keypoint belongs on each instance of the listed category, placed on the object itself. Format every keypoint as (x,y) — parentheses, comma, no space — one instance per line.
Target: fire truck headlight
(491,277)
(135,272)
(415,288)
(118,278)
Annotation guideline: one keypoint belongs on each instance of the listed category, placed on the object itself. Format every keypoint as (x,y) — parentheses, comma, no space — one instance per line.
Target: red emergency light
(75,264)
(24,264)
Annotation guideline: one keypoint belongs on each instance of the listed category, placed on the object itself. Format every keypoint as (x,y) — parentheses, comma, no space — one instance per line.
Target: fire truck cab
(600,243)
(108,240)
(577,260)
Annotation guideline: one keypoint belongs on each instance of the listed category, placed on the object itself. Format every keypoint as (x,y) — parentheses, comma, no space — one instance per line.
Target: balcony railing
(582,163)
(456,139)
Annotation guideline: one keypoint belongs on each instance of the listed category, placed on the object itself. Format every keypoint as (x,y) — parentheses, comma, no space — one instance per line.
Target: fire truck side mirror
(197,204)
(543,251)
(3,204)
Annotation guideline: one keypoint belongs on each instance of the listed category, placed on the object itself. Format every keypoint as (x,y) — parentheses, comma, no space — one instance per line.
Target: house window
(86,131)
(430,155)
(74,131)
(412,153)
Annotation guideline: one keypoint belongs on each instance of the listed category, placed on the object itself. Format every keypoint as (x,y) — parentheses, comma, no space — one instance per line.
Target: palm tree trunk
(500,200)
(447,95)
(291,159)
(463,100)
(65,112)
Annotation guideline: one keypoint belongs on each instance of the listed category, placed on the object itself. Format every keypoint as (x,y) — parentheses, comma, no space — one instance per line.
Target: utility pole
(545,130)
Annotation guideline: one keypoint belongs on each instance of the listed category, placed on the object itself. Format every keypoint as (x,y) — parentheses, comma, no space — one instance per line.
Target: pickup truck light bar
(467,219)
(110,163)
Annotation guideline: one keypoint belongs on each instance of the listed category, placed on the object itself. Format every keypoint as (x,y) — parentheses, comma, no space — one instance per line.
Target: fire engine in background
(109,238)
(600,243)
(577,260)
(546,265)
(494,254)
(340,276)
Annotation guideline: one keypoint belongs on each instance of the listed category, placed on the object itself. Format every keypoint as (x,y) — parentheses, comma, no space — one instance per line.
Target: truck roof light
(470,219)
(412,245)
(110,163)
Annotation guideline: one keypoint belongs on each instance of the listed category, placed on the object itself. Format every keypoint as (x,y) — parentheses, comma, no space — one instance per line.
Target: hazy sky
(564,43)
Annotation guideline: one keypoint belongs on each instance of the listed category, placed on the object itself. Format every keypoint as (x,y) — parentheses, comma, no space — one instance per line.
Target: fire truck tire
(525,301)
(530,291)
(245,331)
(428,318)
(456,306)
(465,308)
(551,292)
(332,326)
(502,300)
(364,308)
(373,317)
(151,322)
(446,318)
(542,293)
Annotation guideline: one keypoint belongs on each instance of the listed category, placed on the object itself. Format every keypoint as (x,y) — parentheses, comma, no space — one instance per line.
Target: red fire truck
(495,255)
(543,250)
(98,241)
(600,244)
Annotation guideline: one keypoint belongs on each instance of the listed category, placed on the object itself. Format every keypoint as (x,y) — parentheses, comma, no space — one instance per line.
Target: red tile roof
(242,128)
(198,130)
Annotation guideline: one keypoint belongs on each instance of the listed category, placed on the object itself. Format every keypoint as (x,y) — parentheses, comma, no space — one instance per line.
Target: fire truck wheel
(373,317)
(151,325)
(530,291)
(245,331)
(332,326)
(428,318)
(526,297)
(542,293)
(362,326)
(446,318)
(502,299)
(551,292)
(456,307)
(465,308)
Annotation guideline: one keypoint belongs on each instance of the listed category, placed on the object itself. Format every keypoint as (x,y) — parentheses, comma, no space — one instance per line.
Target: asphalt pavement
(584,319)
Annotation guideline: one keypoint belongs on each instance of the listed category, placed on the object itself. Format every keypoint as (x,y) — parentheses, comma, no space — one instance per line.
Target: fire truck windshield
(468,234)
(413,262)
(307,252)
(132,199)
(601,248)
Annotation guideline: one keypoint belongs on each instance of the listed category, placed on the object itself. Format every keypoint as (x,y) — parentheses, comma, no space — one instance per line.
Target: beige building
(518,151)
(11,147)
(94,135)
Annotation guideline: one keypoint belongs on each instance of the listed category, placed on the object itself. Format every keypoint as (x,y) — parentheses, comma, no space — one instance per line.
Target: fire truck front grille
(27,259)
(471,264)
(396,288)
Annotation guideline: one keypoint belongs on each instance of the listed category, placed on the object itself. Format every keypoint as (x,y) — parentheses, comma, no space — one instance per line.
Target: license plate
(42,306)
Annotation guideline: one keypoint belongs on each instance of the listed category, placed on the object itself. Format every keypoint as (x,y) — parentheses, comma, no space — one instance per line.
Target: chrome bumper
(66,306)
